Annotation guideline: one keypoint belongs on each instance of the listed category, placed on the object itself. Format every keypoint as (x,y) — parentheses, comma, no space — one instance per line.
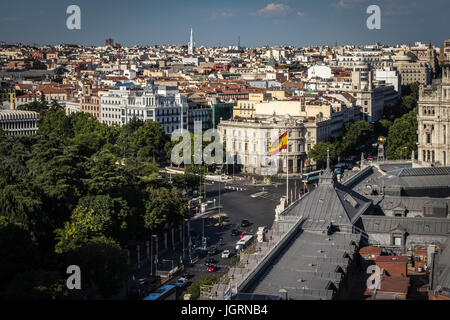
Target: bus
(165,292)
(311,177)
(244,242)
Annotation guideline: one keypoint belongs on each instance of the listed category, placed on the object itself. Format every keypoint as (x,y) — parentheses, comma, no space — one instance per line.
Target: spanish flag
(279,144)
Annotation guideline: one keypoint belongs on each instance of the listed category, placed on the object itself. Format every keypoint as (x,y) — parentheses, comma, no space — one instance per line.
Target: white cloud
(274,9)
(347,3)
(221,14)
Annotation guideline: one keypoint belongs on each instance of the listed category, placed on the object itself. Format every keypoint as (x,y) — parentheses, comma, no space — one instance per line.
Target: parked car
(186,275)
(181,282)
(209,261)
(212,250)
(235,232)
(211,268)
(245,223)
(226,254)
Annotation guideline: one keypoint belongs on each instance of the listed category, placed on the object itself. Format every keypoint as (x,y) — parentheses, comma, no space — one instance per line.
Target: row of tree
(355,134)
(78,193)
(401,122)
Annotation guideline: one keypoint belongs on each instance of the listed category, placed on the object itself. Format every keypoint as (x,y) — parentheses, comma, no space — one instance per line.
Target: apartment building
(7,96)
(157,103)
(411,71)
(372,96)
(90,102)
(434,122)
(246,107)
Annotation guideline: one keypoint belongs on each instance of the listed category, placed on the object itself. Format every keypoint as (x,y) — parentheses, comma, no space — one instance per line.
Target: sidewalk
(201,215)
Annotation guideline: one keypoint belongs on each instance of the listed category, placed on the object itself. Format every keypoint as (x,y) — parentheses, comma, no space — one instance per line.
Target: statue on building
(381,142)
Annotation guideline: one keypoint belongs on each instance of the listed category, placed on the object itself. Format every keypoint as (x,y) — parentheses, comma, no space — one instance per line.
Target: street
(255,203)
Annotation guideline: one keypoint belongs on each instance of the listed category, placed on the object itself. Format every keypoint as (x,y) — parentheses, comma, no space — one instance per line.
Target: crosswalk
(266,195)
(235,188)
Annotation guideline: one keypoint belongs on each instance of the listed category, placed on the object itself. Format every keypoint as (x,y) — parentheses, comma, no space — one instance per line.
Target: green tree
(103,264)
(355,134)
(320,151)
(55,172)
(402,137)
(39,285)
(55,122)
(148,141)
(382,127)
(19,204)
(163,206)
(194,288)
(83,225)
(18,251)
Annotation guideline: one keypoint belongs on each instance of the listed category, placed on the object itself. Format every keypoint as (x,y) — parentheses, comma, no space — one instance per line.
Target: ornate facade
(434,122)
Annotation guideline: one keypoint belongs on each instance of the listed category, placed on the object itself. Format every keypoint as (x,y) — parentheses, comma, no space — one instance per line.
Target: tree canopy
(72,193)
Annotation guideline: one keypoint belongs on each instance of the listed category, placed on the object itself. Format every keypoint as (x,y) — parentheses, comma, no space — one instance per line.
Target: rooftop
(310,268)
(391,259)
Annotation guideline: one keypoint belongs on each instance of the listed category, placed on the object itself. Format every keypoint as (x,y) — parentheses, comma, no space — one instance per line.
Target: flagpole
(287,167)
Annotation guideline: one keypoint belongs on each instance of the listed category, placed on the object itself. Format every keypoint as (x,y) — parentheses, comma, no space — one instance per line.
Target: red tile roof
(370,250)
(392,259)
(393,285)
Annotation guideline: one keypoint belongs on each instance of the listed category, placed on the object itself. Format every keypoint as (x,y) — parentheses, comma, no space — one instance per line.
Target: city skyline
(257,23)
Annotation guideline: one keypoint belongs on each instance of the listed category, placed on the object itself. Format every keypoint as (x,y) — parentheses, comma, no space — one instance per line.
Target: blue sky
(257,22)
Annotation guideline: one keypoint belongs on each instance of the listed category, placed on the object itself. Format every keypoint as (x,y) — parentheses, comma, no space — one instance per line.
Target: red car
(211,268)
(243,234)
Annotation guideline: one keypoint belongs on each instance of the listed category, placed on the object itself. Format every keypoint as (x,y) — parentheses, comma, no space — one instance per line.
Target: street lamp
(189,236)
(219,196)
(183,235)
(287,117)
(156,258)
(151,254)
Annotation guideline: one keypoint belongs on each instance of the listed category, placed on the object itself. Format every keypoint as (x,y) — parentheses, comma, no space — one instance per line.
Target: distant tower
(239,42)
(191,44)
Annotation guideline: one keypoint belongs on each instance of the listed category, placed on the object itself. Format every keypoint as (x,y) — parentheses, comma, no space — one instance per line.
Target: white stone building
(248,142)
(163,104)
(323,72)
(434,122)
(19,122)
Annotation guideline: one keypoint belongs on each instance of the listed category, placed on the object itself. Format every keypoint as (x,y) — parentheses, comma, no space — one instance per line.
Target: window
(445,134)
(397,241)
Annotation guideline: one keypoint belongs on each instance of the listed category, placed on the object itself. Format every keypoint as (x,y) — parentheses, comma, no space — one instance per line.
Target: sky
(220,22)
